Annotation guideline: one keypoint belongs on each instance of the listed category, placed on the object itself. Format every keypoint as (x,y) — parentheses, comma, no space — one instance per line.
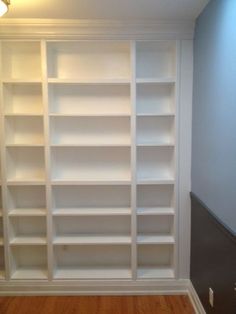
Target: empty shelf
(107,211)
(155,211)
(30,273)
(155,272)
(155,239)
(92,239)
(28,212)
(29,240)
(93,273)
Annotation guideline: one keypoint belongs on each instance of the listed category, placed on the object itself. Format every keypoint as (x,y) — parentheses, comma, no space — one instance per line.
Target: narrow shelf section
(155,239)
(28,212)
(155,272)
(21,240)
(30,273)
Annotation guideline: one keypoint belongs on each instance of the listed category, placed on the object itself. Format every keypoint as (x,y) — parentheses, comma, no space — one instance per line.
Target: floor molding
(196,303)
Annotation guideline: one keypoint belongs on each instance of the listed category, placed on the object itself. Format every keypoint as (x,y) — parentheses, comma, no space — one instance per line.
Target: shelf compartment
(28,262)
(90,131)
(21,60)
(155,261)
(89,200)
(92,262)
(89,60)
(155,196)
(24,131)
(27,200)
(93,163)
(155,131)
(20,99)
(88,100)
(88,230)
(155,163)
(2,263)
(155,59)
(27,230)
(25,164)
(155,99)
(155,228)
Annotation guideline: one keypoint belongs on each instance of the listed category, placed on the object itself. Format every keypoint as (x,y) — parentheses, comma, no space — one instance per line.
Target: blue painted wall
(214,110)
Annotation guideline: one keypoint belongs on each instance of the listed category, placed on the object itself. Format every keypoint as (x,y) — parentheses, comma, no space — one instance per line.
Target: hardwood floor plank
(97,305)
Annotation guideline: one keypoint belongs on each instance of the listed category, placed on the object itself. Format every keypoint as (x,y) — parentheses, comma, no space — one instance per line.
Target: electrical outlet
(211,297)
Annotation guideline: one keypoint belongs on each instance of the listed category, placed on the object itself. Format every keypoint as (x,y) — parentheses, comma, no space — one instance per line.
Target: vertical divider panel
(47,157)
(3,180)
(176,188)
(133,162)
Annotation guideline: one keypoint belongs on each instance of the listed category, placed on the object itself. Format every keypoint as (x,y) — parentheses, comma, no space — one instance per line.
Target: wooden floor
(96,305)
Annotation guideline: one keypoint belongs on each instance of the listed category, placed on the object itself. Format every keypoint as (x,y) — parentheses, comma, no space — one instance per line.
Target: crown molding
(95,29)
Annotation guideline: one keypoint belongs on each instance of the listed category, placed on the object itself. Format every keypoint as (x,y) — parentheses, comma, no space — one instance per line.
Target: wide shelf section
(95,60)
(93,211)
(92,262)
(90,131)
(77,99)
(90,164)
(87,230)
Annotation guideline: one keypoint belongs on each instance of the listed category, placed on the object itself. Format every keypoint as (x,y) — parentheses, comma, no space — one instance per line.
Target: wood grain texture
(97,305)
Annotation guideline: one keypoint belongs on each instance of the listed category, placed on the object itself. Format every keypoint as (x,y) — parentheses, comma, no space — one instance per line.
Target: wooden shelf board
(29,212)
(91,182)
(25,145)
(155,239)
(93,273)
(155,272)
(92,145)
(155,181)
(30,273)
(21,81)
(89,81)
(29,240)
(109,211)
(25,182)
(155,211)
(92,239)
(90,115)
(23,114)
(154,144)
(168,114)
(157,80)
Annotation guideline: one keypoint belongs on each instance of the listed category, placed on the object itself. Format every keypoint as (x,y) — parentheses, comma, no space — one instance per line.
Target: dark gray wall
(213,260)
(214,110)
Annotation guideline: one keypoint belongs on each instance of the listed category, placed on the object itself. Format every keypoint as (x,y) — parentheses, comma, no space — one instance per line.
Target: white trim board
(197,305)
(70,288)
(92,29)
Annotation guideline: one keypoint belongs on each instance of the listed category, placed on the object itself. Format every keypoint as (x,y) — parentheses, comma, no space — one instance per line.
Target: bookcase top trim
(95,29)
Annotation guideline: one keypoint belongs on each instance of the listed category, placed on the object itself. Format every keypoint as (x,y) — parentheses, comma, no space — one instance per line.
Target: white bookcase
(89,152)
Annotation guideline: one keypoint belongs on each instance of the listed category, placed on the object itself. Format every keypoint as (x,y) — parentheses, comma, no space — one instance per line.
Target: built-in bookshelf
(89,147)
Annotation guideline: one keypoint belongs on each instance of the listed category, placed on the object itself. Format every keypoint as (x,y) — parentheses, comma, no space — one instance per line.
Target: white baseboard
(70,288)
(199,309)
(163,287)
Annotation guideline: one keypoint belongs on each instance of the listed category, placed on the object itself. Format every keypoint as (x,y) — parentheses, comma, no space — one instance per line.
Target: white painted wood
(96,29)
(185,139)
(47,156)
(93,166)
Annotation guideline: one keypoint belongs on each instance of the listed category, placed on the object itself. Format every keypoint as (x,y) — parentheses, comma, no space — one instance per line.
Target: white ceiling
(106,9)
